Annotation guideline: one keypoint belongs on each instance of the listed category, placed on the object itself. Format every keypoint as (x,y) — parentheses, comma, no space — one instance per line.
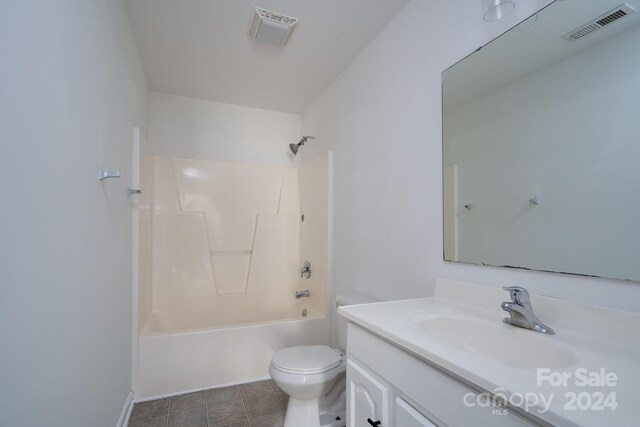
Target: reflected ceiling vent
(600,22)
(271,27)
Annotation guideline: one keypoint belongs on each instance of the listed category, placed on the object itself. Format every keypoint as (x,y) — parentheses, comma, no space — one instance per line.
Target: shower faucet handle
(306,270)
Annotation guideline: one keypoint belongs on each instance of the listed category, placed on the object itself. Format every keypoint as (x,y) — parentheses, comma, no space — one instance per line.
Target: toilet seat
(306,359)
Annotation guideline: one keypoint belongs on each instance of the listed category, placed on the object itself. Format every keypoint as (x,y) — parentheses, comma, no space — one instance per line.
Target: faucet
(521,311)
(306,270)
(300,294)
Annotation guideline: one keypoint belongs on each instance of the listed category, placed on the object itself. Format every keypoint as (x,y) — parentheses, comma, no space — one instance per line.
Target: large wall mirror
(541,144)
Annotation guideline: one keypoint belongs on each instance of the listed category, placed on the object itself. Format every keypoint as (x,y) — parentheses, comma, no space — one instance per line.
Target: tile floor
(259,404)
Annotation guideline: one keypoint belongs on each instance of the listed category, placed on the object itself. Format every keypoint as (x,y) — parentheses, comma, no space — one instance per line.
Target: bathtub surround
(382,118)
(225,237)
(71,91)
(227,243)
(315,230)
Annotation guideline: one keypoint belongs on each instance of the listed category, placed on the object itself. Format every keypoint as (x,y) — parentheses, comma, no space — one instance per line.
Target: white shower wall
(225,237)
(227,245)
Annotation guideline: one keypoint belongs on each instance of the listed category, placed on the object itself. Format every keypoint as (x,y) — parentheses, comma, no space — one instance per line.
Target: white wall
(382,118)
(194,128)
(71,90)
(554,135)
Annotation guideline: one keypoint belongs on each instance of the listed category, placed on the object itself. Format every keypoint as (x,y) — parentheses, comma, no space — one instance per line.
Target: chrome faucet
(306,270)
(521,311)
(300,294)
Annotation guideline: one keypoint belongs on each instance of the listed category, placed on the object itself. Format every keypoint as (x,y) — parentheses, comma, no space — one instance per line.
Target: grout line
(277,400)
(244,406)
(206,407)
(275,389)
(168,411)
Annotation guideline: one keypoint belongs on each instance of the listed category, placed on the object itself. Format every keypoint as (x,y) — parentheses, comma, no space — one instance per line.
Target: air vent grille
(612,17)
(271,27)
(600,22)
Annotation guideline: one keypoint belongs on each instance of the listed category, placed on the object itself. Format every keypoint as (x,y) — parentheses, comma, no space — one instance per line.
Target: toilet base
(302,413)
(306,413)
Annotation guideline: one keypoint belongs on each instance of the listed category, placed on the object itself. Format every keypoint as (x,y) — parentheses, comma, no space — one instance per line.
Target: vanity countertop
(594,366)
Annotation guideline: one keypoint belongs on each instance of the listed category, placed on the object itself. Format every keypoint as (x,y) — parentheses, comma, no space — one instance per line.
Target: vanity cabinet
(388,384)
(368,398)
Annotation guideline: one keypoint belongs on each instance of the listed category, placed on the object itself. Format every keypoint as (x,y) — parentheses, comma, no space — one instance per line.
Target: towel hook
(107,173)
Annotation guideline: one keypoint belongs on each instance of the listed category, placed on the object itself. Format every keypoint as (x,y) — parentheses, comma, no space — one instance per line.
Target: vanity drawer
(407,416)
(439,396)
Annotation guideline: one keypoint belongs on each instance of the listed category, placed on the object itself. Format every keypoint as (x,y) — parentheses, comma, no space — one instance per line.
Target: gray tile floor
(259,404)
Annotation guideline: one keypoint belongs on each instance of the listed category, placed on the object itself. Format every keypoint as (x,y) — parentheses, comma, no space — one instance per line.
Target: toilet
(314,377)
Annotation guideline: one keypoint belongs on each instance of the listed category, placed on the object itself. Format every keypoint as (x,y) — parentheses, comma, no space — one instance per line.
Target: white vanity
(450,360)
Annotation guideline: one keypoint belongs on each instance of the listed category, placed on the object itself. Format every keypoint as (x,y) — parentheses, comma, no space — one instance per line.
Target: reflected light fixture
(494,10)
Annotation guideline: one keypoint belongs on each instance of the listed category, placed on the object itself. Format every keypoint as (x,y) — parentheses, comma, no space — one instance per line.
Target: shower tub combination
(227,244)
(178,353)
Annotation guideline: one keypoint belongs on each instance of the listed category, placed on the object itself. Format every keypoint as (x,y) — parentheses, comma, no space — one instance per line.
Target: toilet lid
(307,359)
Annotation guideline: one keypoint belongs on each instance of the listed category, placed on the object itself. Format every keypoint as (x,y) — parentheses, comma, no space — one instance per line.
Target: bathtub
(178,352)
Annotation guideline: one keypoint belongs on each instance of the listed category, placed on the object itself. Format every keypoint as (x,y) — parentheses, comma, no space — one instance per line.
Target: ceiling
(200,48)
(517,54)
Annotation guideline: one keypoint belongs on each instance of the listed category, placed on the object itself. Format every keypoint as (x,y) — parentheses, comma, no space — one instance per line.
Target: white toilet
(313,377)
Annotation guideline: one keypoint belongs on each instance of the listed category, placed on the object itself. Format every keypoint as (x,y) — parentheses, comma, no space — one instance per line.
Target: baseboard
(194,390)
(126,411)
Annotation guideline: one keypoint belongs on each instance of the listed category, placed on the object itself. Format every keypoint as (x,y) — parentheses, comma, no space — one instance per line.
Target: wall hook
(106,173)
(534,200)
(468,206)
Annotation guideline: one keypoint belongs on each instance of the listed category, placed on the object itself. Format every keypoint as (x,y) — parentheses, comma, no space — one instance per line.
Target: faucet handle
(519,295)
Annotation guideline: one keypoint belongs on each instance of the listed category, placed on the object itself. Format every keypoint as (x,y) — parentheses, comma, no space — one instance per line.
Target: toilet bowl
(313,377)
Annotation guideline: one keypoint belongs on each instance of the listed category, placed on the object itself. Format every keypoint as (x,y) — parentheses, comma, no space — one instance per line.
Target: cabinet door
(367,399)
(406,416)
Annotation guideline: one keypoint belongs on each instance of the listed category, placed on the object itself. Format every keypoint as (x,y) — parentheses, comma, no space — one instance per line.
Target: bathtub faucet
(300,294)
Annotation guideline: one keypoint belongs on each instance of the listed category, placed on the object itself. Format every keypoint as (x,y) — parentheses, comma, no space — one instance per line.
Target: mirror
(541,144)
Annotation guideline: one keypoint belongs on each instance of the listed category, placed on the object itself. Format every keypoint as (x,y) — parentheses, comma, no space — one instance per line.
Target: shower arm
(294,147)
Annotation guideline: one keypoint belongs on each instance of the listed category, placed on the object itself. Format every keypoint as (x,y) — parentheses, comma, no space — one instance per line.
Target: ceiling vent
(600,22)
(271,27)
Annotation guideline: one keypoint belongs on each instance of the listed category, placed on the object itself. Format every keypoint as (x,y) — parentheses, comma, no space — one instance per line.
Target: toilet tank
(343,299)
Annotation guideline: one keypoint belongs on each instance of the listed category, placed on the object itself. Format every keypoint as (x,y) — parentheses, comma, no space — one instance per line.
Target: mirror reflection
(541,144)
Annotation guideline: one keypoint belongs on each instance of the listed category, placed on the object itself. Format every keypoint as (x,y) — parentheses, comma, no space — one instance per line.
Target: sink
(495,340)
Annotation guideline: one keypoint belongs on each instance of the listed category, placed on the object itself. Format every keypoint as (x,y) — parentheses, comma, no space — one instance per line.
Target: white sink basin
(495,340)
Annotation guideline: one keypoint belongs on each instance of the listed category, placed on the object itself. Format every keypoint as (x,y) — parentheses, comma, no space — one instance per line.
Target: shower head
(295,147)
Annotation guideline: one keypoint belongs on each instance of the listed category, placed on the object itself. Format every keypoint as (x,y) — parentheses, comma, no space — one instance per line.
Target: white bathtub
(178,352)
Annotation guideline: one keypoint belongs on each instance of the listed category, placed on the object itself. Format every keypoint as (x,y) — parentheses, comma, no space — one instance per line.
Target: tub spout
(300,294)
